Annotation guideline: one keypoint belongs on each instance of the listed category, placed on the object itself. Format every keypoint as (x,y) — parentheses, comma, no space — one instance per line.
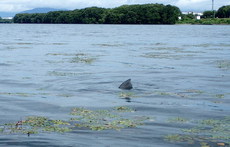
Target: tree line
(5,20)
(126,14)
(222,12)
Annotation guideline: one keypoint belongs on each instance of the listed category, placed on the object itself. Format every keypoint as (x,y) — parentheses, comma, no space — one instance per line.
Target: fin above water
(126,85)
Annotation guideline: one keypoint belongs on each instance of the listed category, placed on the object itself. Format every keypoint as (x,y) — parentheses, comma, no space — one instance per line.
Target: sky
(184,5)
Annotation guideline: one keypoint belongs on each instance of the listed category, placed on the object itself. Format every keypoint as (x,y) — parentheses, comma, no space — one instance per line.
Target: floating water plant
(75,57)
(104,119)
(219,96)
(56,73)
(223,64)
(209,130)
(170,94)
(18,94)
(124,109)
(126,95)
(108,45)
(196,91)
(178,120)
(83,59)
(36,124)
(66,54)
(95,120)
(65,95)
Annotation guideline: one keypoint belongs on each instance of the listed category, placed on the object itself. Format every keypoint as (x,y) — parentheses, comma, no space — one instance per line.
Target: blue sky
(184,5)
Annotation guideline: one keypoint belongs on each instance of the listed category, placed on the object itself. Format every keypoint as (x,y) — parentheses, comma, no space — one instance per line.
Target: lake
(180,76)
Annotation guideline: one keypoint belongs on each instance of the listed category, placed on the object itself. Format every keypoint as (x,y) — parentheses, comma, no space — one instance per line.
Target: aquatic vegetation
(195,91)
(108,45)
(105,119)
(179,138)
(202,45)
(75,57)
(65,95)
(223,64)
(26,95)
(66,54)
(208,130)
(159,55)
(159,48)
(95,120)
(178,120)
(56,73)
(126,95)
(219,96)
(18,94)
(124,109)
(24,43)
(83,59)
(164,93)
(59,43)
(36,124)
(71,74)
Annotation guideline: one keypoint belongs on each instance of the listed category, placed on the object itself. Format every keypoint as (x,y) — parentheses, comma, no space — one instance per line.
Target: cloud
(194,4)
(200,5)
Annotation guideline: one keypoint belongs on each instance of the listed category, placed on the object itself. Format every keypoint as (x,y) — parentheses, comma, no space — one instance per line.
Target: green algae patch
(178,120)
(36,124)
(126,95)
(223,64)
(20,94)
(174,94)
(64,74)
(210,131)
(82,59)
(116,118)
(220,96)
(124,109)
(195,91)
(105,119)
(73,58)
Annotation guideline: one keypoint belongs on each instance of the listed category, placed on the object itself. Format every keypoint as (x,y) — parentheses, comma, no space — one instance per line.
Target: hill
(35,10)
(40,10)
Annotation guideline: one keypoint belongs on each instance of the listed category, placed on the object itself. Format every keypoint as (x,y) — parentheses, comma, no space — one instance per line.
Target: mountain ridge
(42,10)
(35,10)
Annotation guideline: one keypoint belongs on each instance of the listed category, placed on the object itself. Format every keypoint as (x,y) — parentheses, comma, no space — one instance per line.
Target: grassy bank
(207,21)
(6,20)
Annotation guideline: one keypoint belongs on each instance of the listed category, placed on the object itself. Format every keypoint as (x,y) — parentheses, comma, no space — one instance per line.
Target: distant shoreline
(114,24)
(206,21)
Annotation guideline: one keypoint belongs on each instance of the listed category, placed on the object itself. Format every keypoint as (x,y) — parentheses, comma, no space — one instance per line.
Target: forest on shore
(126,14)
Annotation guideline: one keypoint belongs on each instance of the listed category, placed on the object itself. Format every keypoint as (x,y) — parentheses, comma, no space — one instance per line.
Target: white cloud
(194,4)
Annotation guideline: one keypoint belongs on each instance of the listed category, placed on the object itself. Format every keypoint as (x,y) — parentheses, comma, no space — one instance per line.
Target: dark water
(178,71)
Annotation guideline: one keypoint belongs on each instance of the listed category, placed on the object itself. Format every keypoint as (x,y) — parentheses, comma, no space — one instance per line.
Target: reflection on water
(180,78)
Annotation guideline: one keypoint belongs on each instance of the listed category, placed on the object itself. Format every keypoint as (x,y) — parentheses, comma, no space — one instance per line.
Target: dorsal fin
(127,85)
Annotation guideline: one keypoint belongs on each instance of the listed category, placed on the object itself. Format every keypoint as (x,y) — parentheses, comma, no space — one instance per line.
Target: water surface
(177,71)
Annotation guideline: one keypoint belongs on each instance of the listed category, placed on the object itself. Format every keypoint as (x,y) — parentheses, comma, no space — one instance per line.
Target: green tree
(208,14)
(172,14)
(92,15)
(22,18)
(223,12)
(112,18)
(51,17)
(126,14)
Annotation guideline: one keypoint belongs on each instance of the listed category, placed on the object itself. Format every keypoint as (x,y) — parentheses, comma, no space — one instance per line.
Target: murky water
(180,75)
